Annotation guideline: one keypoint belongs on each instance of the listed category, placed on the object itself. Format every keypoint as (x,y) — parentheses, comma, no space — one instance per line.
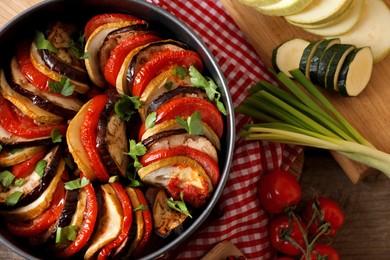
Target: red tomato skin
(323,250)
(332,214)
(147,216)
(277,190)
(25,168)
(279,225)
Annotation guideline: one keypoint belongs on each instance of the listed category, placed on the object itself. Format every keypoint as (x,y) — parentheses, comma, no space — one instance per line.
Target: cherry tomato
(208,164)
(278,190)
(164,61)
(118,54)
(88,136)
(282,229)
(320,211)
(324,251)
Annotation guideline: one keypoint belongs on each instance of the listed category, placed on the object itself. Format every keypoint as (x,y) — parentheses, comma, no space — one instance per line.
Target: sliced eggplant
(164,82)
(109,221)
(8,139)
(171,124)
(165,219)
(42,99)
(34,184)
(179,174)
(117,36)
(185,91)
(25,104)
(38,206)
(10,157)
(111,140)
(39,64)
(174,138)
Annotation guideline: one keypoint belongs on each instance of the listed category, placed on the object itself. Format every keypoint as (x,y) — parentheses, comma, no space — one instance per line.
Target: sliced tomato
(120,52)
(185,107)
(85,232)
(127,221)
(18,124)
(45,220)
(164,61)
(101,19)
(88,136)
(34,76)
(148,224)
(208,164)
(25,168)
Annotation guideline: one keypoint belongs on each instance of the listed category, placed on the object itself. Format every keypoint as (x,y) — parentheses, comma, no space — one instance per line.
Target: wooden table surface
(366,233)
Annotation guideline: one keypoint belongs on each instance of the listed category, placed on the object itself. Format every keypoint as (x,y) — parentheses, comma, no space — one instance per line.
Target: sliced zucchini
(287,56)
(372,29)
(259,2)
(342,25)
(356,72)
(308,52)
(340,52)
(315,60)
(284,7)
(320,11)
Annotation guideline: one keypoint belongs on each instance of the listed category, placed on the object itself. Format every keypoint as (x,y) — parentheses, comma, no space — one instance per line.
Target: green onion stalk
(298,113)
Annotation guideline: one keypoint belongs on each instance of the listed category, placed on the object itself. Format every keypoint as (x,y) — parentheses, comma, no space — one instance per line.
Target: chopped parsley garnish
(113,179)
(209,87)
(150,120)
(136,150)
(64,235)
(193,124)
(43,44)
(19,182)
(180,71)
(76,184)
(40,167)
(77,46)
(14,198)
(56,136)
(126,107)
(15,150)
(179,205)
(168,85)
(6,178)
(62,87)
(140,207)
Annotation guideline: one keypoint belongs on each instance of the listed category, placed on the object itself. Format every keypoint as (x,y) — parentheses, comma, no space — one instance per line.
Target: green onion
(299,114)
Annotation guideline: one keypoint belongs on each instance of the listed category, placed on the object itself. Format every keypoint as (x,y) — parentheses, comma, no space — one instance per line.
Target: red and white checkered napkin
(243,222)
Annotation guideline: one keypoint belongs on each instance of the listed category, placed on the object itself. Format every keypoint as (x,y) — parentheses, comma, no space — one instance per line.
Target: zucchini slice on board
(259,2)
(315,60)
(308,52)
(338,52)
(284,7)
(320,11)
(287,56)
(372,29)
(356,71)
(342,24)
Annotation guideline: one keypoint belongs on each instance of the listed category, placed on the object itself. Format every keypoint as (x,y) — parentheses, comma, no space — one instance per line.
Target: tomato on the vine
(286,235)
(278,190)
(325,216)
(324,251)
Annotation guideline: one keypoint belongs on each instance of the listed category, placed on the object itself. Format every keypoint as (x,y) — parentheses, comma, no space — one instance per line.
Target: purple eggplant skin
(37,100)
(63,68)
(175,93)
(144,55)
(155,138)
(48,174)
(101,144)
(115,37)
(17,142)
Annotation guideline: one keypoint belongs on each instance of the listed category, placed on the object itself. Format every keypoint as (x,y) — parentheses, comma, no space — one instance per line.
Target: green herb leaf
(179,206)
(209,86)
(140,207)
(64,235)
(193,125)
(62,87)
(40,167)
(16,150)
(168,85)
(19,182)
(113,179)
(69,161)
(56,136)
(135,150)
(77,183)
(1,147)
(150,120)
(14,198)
(42,43)
(6,178)
(180,71)
(127,106)
(78,46)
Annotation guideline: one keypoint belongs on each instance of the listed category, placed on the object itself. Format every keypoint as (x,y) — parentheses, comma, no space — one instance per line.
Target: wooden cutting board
(369,113)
